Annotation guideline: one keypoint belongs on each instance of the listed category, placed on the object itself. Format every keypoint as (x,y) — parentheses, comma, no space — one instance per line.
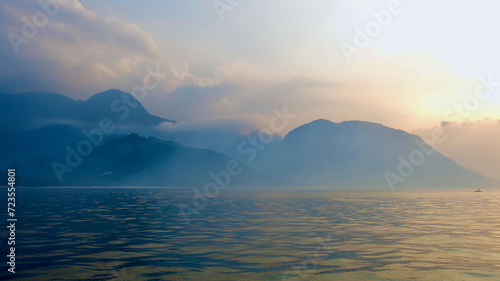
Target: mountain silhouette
(133,160)
(41,129)
(357,154)
(25,111)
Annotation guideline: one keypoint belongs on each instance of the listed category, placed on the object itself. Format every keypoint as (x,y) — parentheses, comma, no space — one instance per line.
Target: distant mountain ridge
(133,160)
(355,154)
(25,111)
(40,128)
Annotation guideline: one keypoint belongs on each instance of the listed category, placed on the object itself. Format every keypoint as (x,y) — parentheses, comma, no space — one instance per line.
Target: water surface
(139,234)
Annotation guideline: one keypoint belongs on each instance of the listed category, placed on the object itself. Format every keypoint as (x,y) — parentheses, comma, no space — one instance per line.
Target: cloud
(473,144)
(194,102)
(286,58)
(79,53)
(253,102)
(239,125)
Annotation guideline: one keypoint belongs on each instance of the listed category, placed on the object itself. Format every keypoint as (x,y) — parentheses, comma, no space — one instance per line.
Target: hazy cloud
(78,53)
(264,55)
(470,144)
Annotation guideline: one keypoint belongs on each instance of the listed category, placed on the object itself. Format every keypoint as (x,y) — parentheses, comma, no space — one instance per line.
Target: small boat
(478,190)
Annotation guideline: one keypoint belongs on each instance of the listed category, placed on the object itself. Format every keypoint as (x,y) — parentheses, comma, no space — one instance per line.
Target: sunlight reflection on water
(138,234)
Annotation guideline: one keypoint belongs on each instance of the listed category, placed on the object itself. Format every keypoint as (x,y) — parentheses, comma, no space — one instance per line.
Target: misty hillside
(135,161)
(38,128)
(38,143)
(358,154)
(223,141)
(24,111)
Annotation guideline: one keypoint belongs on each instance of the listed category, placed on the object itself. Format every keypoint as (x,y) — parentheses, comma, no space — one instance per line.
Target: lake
(255,234)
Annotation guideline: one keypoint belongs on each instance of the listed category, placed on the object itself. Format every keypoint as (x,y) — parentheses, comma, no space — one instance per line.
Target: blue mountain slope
(25,111)
(360,154)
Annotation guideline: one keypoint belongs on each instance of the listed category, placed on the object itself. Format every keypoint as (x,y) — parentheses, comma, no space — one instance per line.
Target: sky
(410,65)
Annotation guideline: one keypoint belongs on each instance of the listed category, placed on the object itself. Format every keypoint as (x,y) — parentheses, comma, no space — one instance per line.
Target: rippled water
(139,234)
